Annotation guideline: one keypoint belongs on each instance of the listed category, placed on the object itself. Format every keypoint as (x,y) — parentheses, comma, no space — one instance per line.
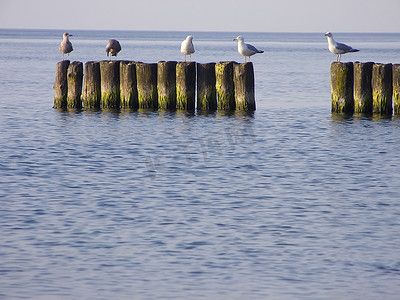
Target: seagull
(338,48)
(113,47)
(66,45)
(187,47)
(246,49)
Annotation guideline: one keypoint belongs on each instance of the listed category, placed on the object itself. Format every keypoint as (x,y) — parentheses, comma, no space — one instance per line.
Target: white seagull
(187,47)
(338,48)
(66,45)
(246,50)
(113,47)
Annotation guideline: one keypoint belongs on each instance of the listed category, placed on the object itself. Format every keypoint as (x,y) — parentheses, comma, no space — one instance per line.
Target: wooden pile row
(166,85)
(365,88)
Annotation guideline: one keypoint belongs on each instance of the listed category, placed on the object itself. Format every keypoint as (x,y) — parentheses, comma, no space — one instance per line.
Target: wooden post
(128,88)
(74,79)
(185,85)
(61,85)
(396,89)
(146,75)
(206,90)
(224,85)
(166,84)
(91,94)
(110,89)
(362,87)
(382,88)
(243,77)
(342,87)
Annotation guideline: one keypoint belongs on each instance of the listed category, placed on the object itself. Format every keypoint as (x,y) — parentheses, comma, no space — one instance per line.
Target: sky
(204,15)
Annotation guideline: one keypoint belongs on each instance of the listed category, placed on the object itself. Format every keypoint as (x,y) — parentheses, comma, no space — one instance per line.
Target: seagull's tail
(354,50)
(260,51)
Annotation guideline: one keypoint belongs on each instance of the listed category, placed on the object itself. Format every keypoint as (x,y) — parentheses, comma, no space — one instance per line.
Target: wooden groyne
(369,88)
(163,85)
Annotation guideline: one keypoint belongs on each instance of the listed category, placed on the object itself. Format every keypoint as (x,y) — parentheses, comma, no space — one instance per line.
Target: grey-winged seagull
(113,47)
(338,48)
(66,45)
(246,50)
(187,47)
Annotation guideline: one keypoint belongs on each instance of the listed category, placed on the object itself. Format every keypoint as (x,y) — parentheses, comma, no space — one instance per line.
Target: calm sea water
(288,202)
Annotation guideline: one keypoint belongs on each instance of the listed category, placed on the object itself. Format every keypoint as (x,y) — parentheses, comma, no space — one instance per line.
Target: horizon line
(173,30)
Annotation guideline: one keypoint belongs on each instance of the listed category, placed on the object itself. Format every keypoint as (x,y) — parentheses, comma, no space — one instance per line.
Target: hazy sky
(204,15)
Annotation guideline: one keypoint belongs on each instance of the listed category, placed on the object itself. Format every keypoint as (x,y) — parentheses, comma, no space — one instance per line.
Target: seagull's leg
(185,57)
(190,58)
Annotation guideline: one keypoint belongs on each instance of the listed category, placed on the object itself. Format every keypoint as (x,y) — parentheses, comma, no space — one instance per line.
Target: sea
(290,201)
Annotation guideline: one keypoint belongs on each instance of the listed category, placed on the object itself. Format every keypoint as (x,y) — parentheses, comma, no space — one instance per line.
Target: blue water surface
(287,202)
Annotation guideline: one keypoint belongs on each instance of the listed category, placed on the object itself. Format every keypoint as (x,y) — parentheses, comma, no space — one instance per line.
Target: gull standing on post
(66,45)
(113,47)
(246,50)
(187,47)
(338,48)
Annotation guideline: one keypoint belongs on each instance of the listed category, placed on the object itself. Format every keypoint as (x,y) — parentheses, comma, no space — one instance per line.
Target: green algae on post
(110,86)
(396,89)
(243,77)
(224,85)
(74,79)
(61,85)
(166,84)
(185,85)
(206,91)
(362,87)
(91,94)
(128,85)
(342,87)
(382,88)
(146,75)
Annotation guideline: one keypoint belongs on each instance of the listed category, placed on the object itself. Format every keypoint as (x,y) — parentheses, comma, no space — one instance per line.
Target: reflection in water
(361,117)
(169,113)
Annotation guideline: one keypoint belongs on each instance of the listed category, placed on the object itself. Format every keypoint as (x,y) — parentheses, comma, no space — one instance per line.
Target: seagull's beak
(235,39)
(70,35)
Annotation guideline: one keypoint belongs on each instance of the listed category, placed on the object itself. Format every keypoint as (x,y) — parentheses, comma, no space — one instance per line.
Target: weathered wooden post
(128,82)
(362,87)
(342,87)
(206,90)
(382,88)
(185,85)
(91,94)
(243,77)
(61,85)
(74,79)
(146,75)
(224,85)
(110,87)
(396,89)
(166,84)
